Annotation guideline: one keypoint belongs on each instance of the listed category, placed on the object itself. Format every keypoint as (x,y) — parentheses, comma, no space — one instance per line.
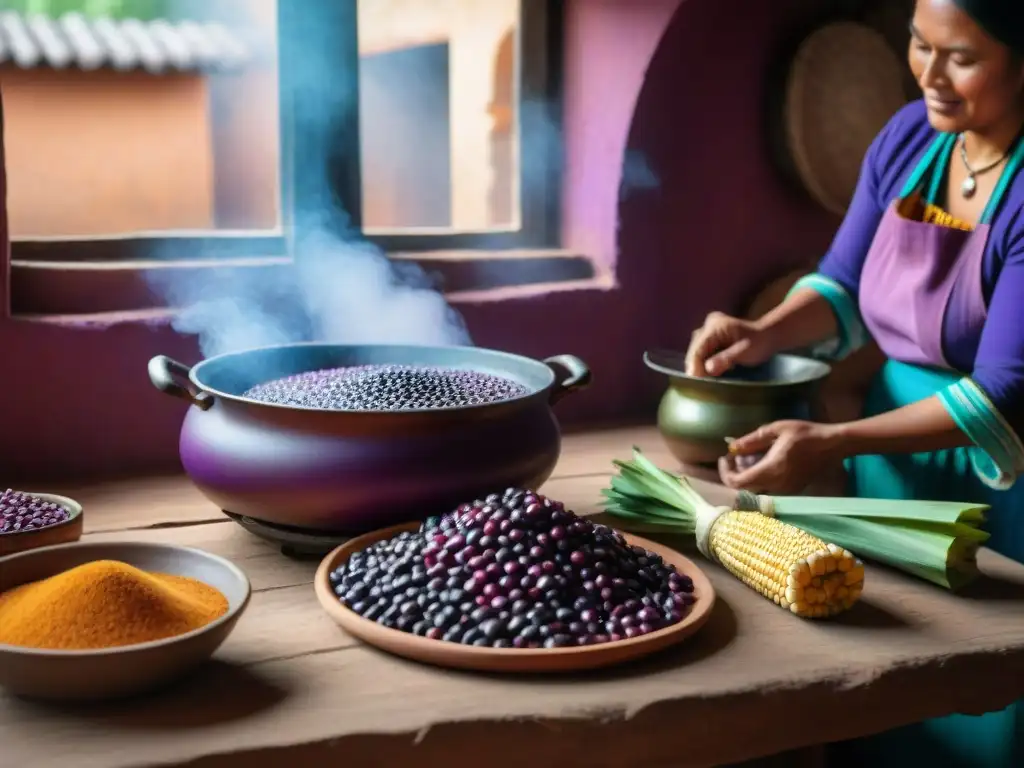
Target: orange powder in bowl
(106,604)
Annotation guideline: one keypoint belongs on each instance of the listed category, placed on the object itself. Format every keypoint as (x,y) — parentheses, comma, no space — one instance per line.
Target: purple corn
(22,512)
(387,388)
(514,570)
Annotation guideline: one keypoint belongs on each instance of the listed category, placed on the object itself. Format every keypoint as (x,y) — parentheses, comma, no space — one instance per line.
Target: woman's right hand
(723,342)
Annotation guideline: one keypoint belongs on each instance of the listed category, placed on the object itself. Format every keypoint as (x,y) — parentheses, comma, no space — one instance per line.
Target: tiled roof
(30,41)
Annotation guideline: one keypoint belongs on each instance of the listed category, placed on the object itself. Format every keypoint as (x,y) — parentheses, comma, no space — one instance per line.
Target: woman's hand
(723,342)
(795,454)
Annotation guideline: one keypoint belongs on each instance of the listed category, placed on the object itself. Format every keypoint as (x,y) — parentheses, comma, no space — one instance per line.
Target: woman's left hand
(795,454)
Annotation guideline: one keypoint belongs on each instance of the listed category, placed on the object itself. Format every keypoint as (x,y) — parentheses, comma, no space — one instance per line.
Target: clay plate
(62,533)
(446,654)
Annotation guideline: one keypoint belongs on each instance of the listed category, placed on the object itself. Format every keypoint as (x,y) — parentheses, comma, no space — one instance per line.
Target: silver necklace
(970,184)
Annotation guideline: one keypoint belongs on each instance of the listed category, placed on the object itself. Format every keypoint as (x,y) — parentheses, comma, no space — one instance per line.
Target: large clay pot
(355,471)
(698,414)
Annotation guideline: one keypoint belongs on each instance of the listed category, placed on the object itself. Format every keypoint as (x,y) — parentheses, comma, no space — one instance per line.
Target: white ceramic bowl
(125,670)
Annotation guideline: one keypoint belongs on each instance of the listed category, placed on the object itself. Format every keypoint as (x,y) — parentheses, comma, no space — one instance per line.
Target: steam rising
(340,288)
(353,294)
(341,291)
(637,174)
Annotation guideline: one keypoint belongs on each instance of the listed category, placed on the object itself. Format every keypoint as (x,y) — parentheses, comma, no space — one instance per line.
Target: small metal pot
(354,471)
(697,414)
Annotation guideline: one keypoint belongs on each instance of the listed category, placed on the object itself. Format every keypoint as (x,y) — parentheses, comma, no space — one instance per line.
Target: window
(135,128)
(453,117)
(458,118)
(177,129)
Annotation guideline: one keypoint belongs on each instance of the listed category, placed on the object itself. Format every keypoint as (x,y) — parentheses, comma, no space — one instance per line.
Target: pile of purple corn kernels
(516,570)
(387,388)
(22,512)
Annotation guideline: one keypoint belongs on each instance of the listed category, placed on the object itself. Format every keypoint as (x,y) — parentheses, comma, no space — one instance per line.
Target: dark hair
(1002,19)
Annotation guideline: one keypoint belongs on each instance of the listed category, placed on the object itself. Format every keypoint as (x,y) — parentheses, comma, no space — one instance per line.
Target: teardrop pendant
(969,187)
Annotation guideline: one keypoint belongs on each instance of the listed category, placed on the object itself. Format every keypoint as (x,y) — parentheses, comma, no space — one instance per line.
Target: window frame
(329,31)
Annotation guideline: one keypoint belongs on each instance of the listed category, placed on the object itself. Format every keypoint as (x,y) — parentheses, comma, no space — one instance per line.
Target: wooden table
(290,687)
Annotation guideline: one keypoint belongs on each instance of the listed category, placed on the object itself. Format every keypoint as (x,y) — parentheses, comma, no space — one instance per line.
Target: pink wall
(724,221)
(597,127)
(77,401)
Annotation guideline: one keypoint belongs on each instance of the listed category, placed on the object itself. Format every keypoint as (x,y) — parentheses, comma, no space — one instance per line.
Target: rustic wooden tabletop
(289,686)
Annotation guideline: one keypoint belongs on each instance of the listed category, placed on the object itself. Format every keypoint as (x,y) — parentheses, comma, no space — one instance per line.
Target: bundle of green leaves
(934,540)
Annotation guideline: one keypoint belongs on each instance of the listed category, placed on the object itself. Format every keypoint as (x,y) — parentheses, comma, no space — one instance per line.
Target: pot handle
(171,378)
(572,374)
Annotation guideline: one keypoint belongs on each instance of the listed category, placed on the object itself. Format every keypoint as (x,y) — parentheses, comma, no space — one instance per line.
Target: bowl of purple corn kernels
(30,520)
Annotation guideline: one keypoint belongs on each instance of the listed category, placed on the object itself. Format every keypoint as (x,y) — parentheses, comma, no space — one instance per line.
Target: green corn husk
(934,540)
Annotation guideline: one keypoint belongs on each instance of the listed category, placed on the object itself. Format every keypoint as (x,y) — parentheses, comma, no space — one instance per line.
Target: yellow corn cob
(786,565)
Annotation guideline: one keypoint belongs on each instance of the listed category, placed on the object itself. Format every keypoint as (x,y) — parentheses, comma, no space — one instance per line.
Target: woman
(929,262)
